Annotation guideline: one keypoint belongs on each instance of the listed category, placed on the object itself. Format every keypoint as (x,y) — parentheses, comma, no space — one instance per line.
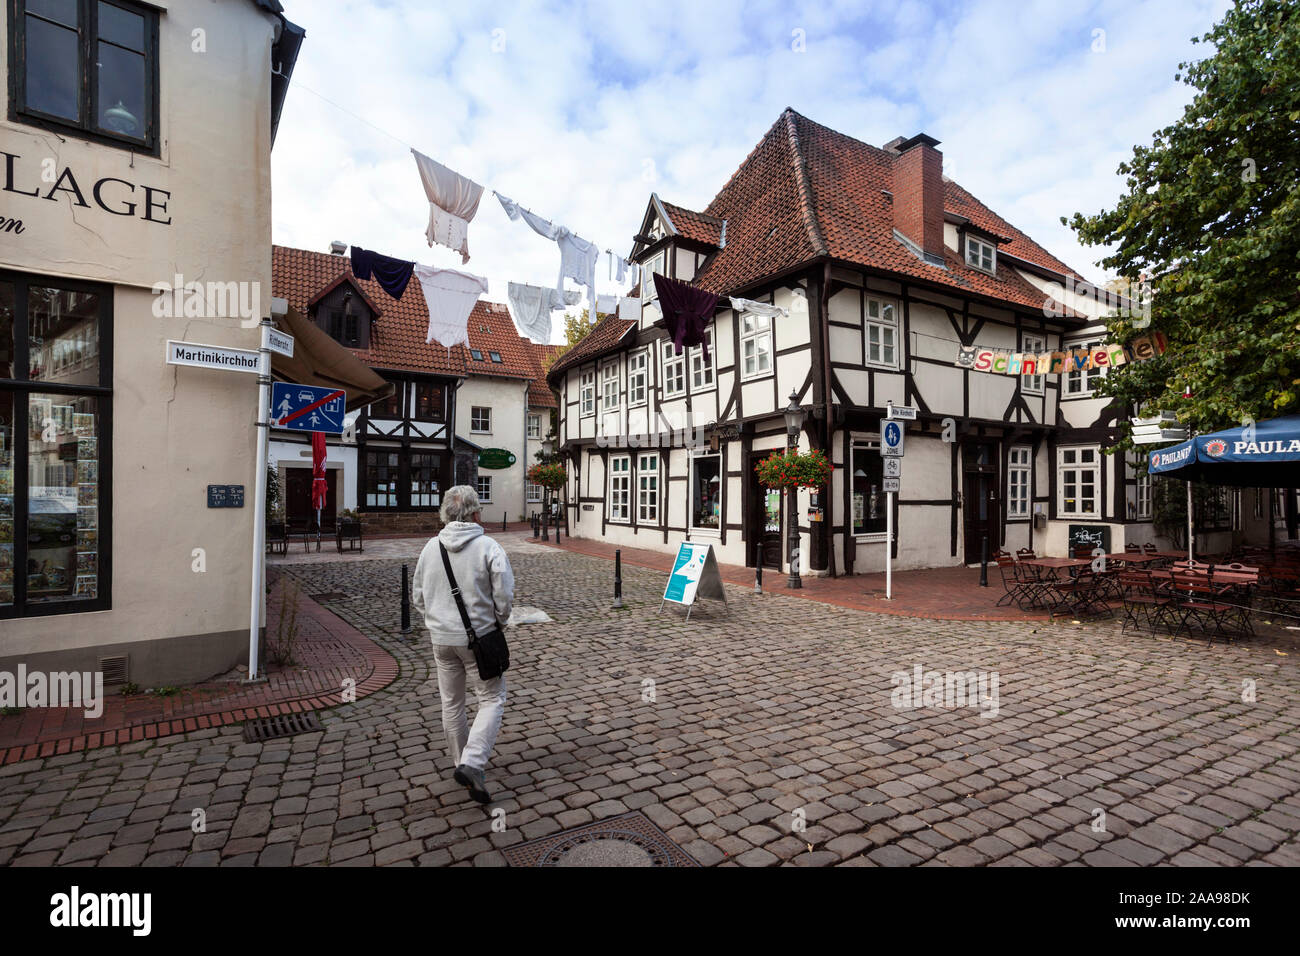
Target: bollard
(758,570)
(546,528)
(984,561)
(406,603)
(537,529)
(618,578)
(503,521)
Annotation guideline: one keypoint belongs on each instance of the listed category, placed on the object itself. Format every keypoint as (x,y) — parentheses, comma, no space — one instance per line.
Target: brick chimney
(918,193)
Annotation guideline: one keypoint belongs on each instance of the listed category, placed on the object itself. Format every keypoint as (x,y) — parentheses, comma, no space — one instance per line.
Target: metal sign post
(259,498)
(891,450)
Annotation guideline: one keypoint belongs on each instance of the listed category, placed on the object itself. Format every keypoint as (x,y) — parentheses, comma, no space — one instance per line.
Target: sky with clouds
(579,110)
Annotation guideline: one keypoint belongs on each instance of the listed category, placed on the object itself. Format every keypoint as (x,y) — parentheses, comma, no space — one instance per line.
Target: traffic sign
(891,484)
(213,356)
(891,439)
(893,468)
(279,342)
(901,412)
(307,408)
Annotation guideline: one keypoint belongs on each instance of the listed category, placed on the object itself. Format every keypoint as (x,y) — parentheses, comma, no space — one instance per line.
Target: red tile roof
(608,332)
(397,340)
(807,191)
(694,225)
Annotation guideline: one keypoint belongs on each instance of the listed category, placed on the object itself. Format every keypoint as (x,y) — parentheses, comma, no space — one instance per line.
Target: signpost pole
(259,498)
(889,547)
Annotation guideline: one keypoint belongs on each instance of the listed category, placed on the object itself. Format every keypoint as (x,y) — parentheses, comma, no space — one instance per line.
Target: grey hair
(459,504)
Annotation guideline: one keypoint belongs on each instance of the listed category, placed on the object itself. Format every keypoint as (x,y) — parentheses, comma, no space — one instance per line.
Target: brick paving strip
(328,651)
(758,734)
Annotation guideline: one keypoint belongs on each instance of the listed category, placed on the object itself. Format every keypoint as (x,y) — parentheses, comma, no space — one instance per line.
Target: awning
(319,360)
(1266,455)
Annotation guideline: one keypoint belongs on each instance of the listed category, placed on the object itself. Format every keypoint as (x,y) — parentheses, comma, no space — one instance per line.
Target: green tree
(576,328)
(1212,212)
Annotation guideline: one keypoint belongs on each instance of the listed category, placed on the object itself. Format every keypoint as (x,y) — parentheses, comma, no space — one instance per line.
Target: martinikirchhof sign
(213,356)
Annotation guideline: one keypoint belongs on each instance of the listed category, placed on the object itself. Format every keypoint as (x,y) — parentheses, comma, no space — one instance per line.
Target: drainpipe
(825,309)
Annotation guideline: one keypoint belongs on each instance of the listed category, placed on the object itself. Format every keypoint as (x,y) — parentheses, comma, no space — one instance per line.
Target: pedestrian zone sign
(891,438)
(307,408)
(695,574)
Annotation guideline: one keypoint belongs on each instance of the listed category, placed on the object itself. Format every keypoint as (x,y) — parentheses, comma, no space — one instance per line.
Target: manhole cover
(628,840)
(282,725)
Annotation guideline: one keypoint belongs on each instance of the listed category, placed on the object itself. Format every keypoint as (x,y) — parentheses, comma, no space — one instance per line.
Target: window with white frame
(702,371)
(1018,481)
(656,264)
(534,492)
(647,489)
(1036,344)
(534,426)
(484,488)
(674,370)
(609,386)
(1082,381)
(882,333)
(1078,480)
(980,254)
(480,419)
(1142,494)
(587,393)
(620,487)
(755,345)
(638,376)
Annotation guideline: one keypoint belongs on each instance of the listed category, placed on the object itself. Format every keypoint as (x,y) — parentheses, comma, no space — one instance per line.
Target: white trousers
(468,745)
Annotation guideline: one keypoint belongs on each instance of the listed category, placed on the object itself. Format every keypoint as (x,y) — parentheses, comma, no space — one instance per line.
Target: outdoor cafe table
(1132,557)
(1053,565)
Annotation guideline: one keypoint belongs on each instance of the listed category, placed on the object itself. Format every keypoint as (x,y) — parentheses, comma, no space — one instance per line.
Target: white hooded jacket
(487,584)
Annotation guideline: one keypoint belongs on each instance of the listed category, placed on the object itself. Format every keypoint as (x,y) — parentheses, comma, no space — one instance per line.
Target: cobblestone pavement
(758,734)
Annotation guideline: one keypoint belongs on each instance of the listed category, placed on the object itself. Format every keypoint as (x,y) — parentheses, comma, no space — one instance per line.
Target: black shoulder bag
(490,651)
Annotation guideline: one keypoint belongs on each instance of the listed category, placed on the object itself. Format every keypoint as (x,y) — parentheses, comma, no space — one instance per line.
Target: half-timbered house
(885,268)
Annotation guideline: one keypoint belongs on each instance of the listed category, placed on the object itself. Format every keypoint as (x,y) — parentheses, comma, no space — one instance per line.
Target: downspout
(824,306)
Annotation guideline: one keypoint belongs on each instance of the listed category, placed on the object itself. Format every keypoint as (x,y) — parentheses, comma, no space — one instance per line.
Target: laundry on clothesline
(532,306)
(758,308)
(629,308)
(391,274)
(450,296)
(606,304)
(453,202)
(687,312)
(543,227)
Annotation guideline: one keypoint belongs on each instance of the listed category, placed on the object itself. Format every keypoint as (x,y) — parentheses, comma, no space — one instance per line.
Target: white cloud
(586,99)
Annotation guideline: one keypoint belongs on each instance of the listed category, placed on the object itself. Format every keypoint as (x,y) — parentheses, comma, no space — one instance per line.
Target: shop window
(706,492)
(869,498)
(381,479)
(424,469)
(54,457)
(87,67)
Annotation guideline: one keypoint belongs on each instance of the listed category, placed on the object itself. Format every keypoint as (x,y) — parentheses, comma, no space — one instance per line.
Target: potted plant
(792,469)
(349,530)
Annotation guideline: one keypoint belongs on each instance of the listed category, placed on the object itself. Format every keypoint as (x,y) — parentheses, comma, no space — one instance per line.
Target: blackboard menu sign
(1090,536)
(225,496)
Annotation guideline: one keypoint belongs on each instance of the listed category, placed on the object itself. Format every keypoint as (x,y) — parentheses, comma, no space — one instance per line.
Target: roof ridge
(804,185)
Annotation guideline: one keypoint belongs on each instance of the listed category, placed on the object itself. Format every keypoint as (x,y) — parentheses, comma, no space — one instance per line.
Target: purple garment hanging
(687,312)
(391,274)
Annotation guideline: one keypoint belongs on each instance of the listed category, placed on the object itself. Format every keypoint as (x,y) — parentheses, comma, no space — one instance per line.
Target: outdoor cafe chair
(1149,548)
(1196,600)
(1011,583)
(1131,548)
(1083,594)
(1143,598)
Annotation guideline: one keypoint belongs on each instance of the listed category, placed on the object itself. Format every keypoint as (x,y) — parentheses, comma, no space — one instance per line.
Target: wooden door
(981,499)
(763,523)
(297,498)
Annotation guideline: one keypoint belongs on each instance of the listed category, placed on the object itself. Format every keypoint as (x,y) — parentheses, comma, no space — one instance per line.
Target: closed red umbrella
(319,487)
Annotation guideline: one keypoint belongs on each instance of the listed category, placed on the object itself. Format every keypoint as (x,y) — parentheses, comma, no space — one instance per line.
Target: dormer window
(344,315)
(981,255)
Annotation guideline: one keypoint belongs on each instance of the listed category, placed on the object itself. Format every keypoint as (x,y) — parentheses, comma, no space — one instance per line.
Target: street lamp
(794,418)
(548,448)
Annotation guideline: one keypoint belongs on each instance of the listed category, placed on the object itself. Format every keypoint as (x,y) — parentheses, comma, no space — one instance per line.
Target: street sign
(901,412)
(891,439)
(212,356)
(891,484)
(279,342)
(307,408)
(893,468)
(695,574)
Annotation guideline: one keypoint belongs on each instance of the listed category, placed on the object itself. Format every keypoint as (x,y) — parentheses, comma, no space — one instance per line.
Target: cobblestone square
(761,733)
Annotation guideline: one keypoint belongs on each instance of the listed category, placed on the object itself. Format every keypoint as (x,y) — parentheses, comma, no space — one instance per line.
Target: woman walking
(487,588)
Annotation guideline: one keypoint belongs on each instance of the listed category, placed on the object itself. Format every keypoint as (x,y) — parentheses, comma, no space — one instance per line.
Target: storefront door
(763,523)
(981,505)
(297,498)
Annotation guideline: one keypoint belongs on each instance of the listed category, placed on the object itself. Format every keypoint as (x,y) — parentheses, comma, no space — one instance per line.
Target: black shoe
(472,778)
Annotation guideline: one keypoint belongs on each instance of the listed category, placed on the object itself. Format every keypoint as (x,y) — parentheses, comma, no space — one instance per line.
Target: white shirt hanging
(453,202)
(450,296)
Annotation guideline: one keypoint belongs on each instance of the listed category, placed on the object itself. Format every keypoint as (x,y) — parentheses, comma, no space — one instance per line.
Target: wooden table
(1053,565)
(1132,557)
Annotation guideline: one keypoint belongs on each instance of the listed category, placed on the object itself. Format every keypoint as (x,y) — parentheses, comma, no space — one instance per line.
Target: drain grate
(283,725)
(631,839)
